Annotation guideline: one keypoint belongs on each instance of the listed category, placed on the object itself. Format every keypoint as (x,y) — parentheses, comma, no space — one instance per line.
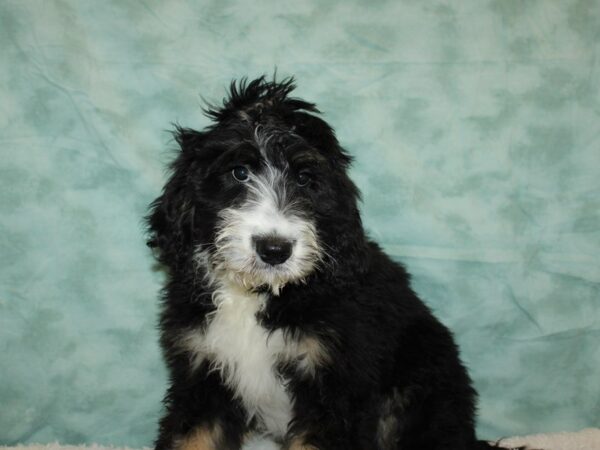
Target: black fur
(394,379)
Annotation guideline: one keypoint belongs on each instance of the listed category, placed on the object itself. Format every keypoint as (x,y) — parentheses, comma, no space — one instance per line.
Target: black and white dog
(280,316)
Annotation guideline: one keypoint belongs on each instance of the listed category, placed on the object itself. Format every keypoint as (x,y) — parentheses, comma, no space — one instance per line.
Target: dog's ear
(320,135)
(344,232)
(171,222)
(173,214)
(189,140)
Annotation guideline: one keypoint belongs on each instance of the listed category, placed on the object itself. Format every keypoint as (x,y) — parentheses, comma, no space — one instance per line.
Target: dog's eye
(303,178)
(241,173)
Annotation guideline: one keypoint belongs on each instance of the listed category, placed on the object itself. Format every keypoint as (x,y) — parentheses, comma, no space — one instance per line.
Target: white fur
(245,354)
(267,211)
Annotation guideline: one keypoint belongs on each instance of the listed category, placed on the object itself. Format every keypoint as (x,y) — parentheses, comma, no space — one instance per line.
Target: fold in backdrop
(475,127)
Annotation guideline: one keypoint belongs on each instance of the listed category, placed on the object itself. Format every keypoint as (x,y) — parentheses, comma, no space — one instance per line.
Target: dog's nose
(273,250)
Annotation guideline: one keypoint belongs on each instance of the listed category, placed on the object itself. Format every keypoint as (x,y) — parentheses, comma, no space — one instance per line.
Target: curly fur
(328,350)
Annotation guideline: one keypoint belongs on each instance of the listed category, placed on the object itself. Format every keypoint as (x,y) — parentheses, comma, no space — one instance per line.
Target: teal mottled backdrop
(475,127)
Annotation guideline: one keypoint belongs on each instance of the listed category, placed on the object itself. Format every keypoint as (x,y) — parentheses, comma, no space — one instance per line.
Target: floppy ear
(320,134)
(173,214)
(345,236)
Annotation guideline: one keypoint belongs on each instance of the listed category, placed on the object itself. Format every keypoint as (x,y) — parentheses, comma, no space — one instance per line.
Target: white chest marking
(245,354)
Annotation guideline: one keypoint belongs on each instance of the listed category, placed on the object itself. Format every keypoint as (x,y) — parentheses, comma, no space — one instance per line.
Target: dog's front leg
(299,442)
(320,436)
(201,414)
(320,423)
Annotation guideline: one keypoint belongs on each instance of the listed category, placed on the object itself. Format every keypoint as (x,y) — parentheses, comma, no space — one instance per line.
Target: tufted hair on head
(253,97)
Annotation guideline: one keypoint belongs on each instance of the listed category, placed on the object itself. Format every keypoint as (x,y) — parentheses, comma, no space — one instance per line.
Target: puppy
(280,316)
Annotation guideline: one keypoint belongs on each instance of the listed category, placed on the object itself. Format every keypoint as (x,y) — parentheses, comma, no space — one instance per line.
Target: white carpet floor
(588,439)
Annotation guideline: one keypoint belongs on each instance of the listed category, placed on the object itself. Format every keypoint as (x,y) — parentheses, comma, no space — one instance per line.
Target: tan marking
(202,438)
(311,354)
(248,435)
(298,443)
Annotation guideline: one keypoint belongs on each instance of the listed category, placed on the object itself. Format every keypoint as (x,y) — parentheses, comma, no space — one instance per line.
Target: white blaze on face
(267,211)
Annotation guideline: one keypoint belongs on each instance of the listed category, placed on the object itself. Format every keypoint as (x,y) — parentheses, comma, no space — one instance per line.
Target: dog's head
(261,196)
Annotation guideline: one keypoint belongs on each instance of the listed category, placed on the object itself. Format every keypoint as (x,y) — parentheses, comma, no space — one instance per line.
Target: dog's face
(261,197)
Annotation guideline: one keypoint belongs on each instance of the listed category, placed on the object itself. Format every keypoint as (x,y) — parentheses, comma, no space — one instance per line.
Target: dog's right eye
(241,173)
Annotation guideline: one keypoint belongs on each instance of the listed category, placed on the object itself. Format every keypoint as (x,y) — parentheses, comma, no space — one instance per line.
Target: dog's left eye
(241,173)
(303,178)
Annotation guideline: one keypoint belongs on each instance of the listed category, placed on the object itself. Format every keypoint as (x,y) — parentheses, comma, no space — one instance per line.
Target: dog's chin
(265,278)
(258,276)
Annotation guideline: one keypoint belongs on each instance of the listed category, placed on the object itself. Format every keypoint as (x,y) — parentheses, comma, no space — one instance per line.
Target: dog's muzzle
(273,250)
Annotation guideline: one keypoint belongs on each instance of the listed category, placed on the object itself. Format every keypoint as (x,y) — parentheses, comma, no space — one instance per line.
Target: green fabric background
(475,126)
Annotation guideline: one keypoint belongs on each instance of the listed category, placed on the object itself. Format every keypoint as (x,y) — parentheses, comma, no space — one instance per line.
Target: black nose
(273,250)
